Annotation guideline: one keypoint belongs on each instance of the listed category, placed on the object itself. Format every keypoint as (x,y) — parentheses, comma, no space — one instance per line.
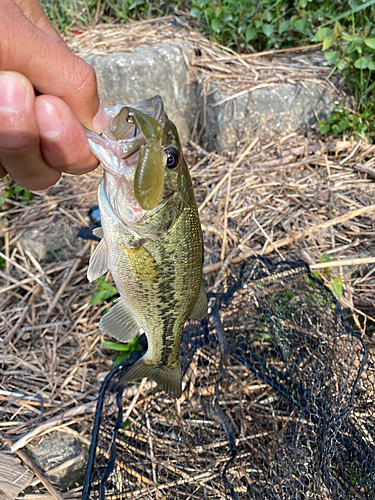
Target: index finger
(50,67)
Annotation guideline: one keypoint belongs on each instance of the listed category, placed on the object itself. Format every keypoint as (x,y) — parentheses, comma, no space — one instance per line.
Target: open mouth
(129,139)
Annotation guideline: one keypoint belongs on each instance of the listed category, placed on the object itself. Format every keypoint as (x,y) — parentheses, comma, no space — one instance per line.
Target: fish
(151,239)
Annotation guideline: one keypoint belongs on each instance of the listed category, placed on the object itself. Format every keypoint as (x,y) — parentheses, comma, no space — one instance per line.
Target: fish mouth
(127,146)
(119,156)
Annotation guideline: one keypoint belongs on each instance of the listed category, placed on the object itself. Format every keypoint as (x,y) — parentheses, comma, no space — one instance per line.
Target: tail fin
(169,380)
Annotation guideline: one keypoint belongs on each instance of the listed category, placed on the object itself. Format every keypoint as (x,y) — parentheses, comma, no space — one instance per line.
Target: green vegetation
(123,351)
(334,284)
(15,192)
(346,121)
(105,291)
(345,29)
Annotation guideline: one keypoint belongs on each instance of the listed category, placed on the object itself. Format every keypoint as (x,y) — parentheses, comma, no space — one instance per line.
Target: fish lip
(124,148)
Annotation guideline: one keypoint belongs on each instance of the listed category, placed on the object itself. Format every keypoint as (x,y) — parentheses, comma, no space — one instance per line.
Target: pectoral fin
(119,322)
(199,310)
(98,231)
(98,262)
(142,263)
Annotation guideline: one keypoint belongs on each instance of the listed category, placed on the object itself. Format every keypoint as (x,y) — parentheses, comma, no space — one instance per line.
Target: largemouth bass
(151,237)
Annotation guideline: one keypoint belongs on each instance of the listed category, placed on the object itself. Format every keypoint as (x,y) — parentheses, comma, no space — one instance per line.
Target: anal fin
(119,322)
(199,310)
(98,262)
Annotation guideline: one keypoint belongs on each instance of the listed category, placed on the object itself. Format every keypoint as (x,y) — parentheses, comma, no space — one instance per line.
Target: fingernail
(100,120)
(48,118)
(12,93)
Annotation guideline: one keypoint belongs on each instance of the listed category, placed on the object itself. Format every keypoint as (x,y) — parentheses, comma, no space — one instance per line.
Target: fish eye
(172,157)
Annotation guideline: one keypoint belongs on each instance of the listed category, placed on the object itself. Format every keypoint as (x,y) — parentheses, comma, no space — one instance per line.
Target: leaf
(322,34)
(258,23)
(324,127)
(115,346)
(327,43)
(267,15)
(250,33)
(284,26)
(342,65)
(325,258)
(218,11)
(371,66)
(300,24)
(336,287)
(347,37)
(119,358)
(268,29)
(370,42)
(302,3)
(194,12)
(102,295)
(362,62)
(107,286)
(216,25)
(331,57)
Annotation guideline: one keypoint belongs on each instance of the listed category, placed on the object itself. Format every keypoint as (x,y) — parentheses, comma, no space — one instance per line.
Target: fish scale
(155,256)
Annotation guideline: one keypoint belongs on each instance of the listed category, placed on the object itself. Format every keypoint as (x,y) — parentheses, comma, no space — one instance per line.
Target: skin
(46,95)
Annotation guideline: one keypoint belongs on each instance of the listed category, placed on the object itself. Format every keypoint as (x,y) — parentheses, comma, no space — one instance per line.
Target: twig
(344,262)
(26,271)
(296,236)
(11,332)
(223,180)
(46,426)
(39,474)
(65,283)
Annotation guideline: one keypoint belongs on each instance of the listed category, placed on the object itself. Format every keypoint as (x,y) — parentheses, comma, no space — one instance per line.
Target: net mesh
(278,403)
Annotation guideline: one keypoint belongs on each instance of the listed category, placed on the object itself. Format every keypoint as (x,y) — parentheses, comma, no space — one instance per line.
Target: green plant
(69,14)
(349,46)
(123,351)
(15,192)
(346,121)
(105,291)
(245,25)
(334,284)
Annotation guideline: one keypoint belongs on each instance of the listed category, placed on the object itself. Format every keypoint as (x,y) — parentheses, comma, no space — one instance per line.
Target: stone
(62,457)
(124,78)
(264,113)
(51,244)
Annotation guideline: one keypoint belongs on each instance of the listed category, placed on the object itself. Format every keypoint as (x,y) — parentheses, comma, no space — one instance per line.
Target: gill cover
(149,175)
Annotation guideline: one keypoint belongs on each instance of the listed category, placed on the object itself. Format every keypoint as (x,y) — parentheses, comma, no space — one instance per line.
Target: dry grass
(293,197)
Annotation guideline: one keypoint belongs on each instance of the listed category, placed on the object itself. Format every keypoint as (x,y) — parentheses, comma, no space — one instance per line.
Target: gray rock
(50,244)
(288,108)
(62,457)
(264,113)
(129,77)
(124,78)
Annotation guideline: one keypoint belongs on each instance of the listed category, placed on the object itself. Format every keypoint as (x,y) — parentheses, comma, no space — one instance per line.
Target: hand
(41,135)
